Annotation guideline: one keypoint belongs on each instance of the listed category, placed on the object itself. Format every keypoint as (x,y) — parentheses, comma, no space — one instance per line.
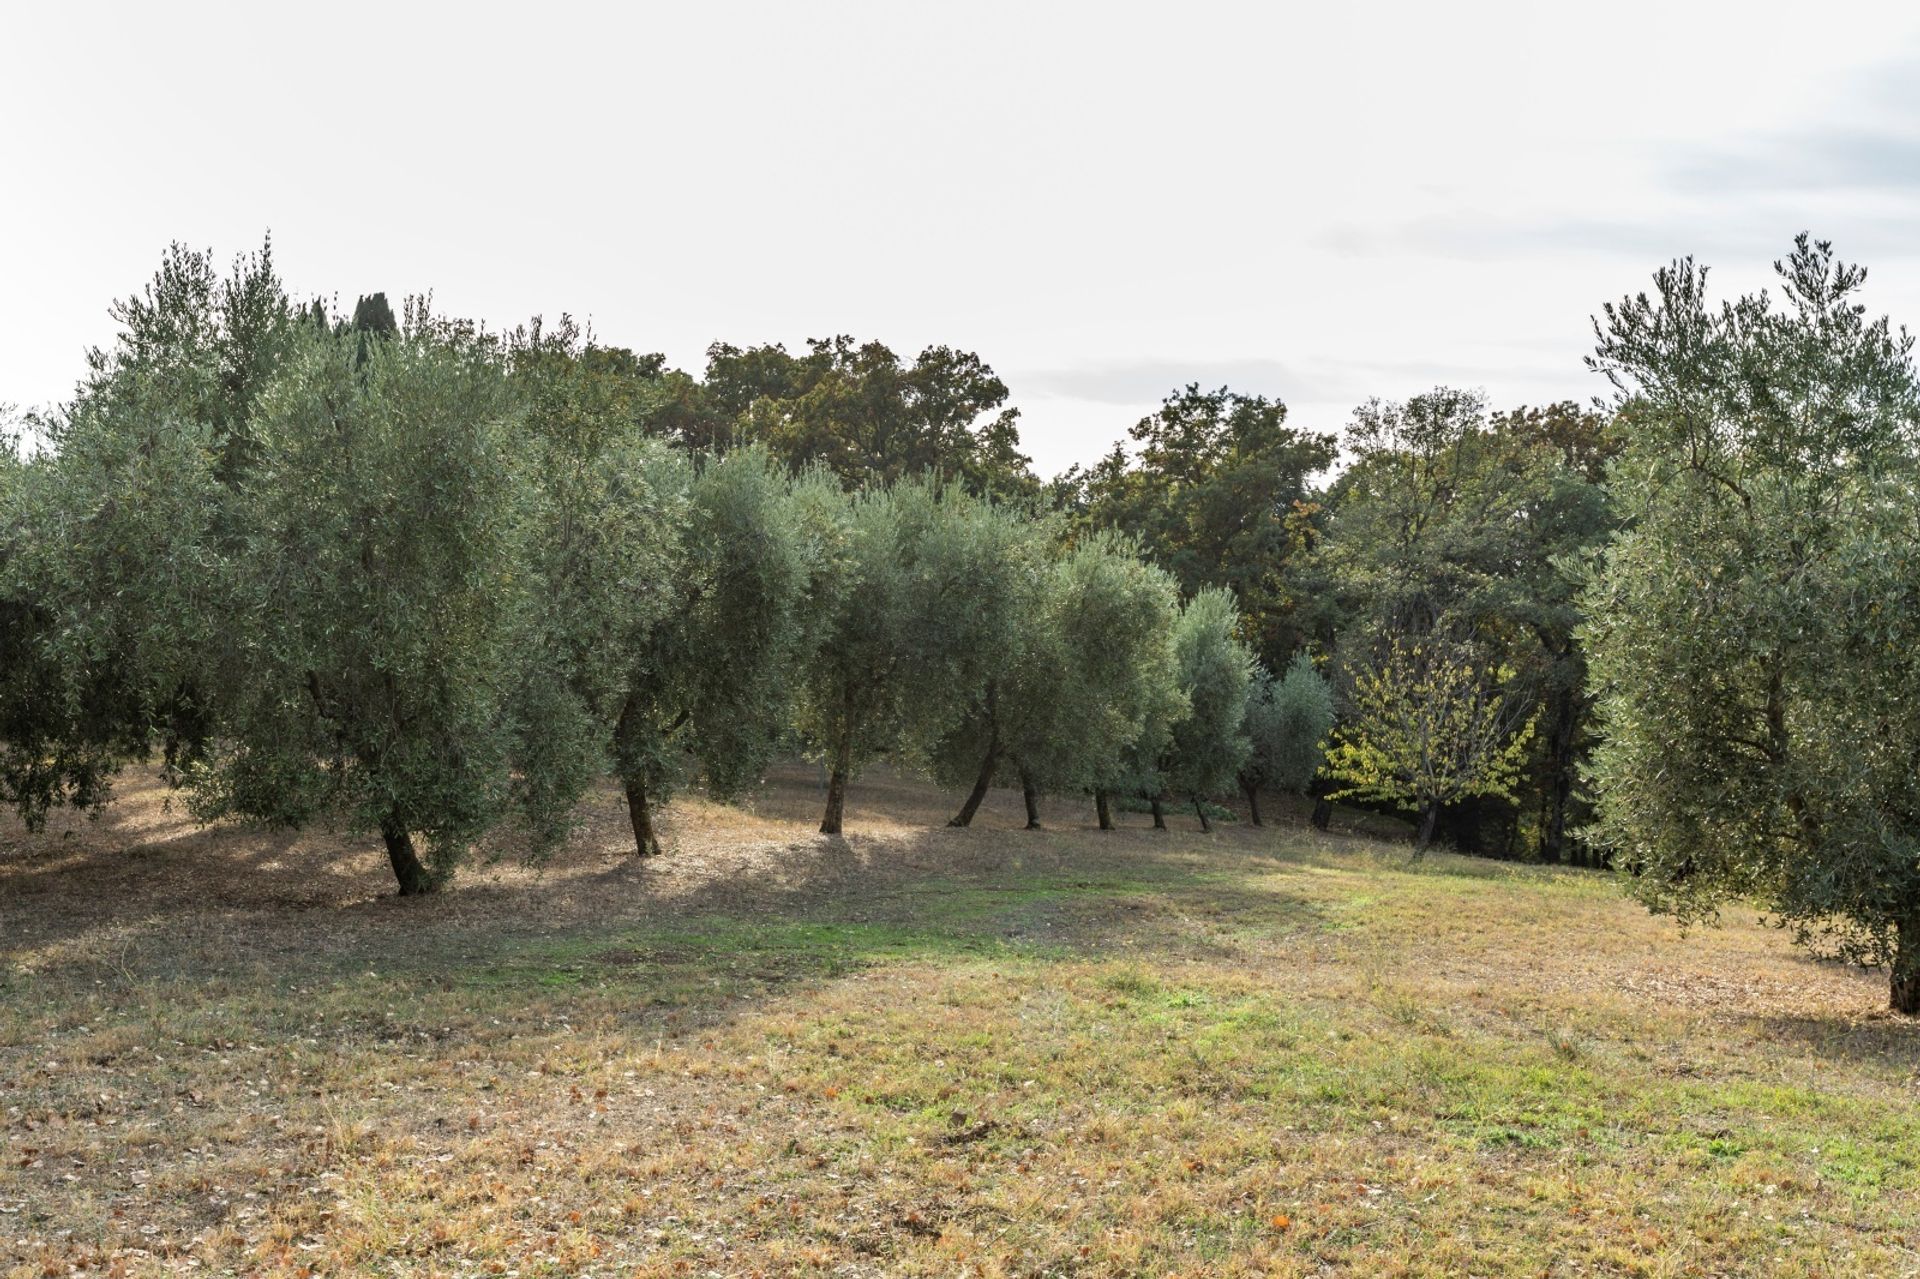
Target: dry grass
(919,1051)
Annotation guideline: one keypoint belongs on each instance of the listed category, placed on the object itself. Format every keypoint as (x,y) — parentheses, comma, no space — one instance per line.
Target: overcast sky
(1316,202)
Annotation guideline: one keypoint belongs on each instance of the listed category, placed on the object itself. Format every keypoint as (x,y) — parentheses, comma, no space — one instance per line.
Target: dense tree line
(399,573)
(395,571)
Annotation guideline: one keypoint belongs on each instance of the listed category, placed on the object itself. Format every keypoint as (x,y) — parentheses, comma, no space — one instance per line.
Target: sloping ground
(919,1051)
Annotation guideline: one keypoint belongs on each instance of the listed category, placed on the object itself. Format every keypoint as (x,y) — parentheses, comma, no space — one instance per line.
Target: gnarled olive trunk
(1031,794)
(1159,815)
(837,787)
(1253,804)
(1103,810)
(407,867)
(645,842)
(979,793)
(1200,811)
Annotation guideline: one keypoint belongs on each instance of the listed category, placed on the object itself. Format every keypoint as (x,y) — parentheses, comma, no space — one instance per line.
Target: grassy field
(919,1051)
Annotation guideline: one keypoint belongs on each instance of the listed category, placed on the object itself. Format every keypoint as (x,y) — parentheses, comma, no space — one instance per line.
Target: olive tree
(111,540)
(1104,705)
(1013,659)
(607,509)
(1755,631)
(112,532)
(712,678)
(376,595)
(1287,721)
(899,630)
(1087,664)
(1114,682)
(60,740)
(1208,745)
(857,680)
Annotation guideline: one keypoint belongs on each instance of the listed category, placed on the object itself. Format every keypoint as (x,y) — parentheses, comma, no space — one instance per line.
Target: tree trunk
(407,868)
(836,800)
(1903,993)
(1322,806)
(1101,808)
(1159,817)
(1199,810)
(965,816)
(640,813)
(1032,796)
(1253,804)
(1429,818)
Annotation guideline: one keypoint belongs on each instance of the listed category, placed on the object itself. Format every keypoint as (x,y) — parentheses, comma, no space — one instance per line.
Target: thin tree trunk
(640,812)
(1199,810)
(1253,804)
(1903,992)
(1429,819)
(1101,807)
(965,816)
(1032,796)
(830,822)
(413,876)
(1159,817)
(1322,806)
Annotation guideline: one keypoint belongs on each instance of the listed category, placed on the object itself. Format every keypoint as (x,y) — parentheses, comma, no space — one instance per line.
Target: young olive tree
(114,615)
(1287,722)
(1429,727)
(1208,745)
(1014,652)
(377,595)
(63,729)
(1755,631)
(607,506)
(1098,687)
(712,678)
(899,633)
(112,531)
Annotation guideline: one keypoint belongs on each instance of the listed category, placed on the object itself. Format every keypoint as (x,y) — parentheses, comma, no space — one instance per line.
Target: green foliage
(1217,492)
(1005,673)
(1428,728)
(857,410)
(56,745)
(1287,722)
(1086,668)
(112,534)
(1450,522)
(1208,744)
(712,678)
(609,507)
(375,597)
(752,570)
(903,636)
(857,686)
(372,315)
(1754,631)
(1111,686)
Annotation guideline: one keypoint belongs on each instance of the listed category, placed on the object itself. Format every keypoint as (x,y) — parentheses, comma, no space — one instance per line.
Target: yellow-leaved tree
(1429,726)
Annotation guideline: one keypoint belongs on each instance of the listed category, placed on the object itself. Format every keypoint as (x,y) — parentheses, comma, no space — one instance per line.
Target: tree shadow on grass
(1885,1042)
(142,889)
